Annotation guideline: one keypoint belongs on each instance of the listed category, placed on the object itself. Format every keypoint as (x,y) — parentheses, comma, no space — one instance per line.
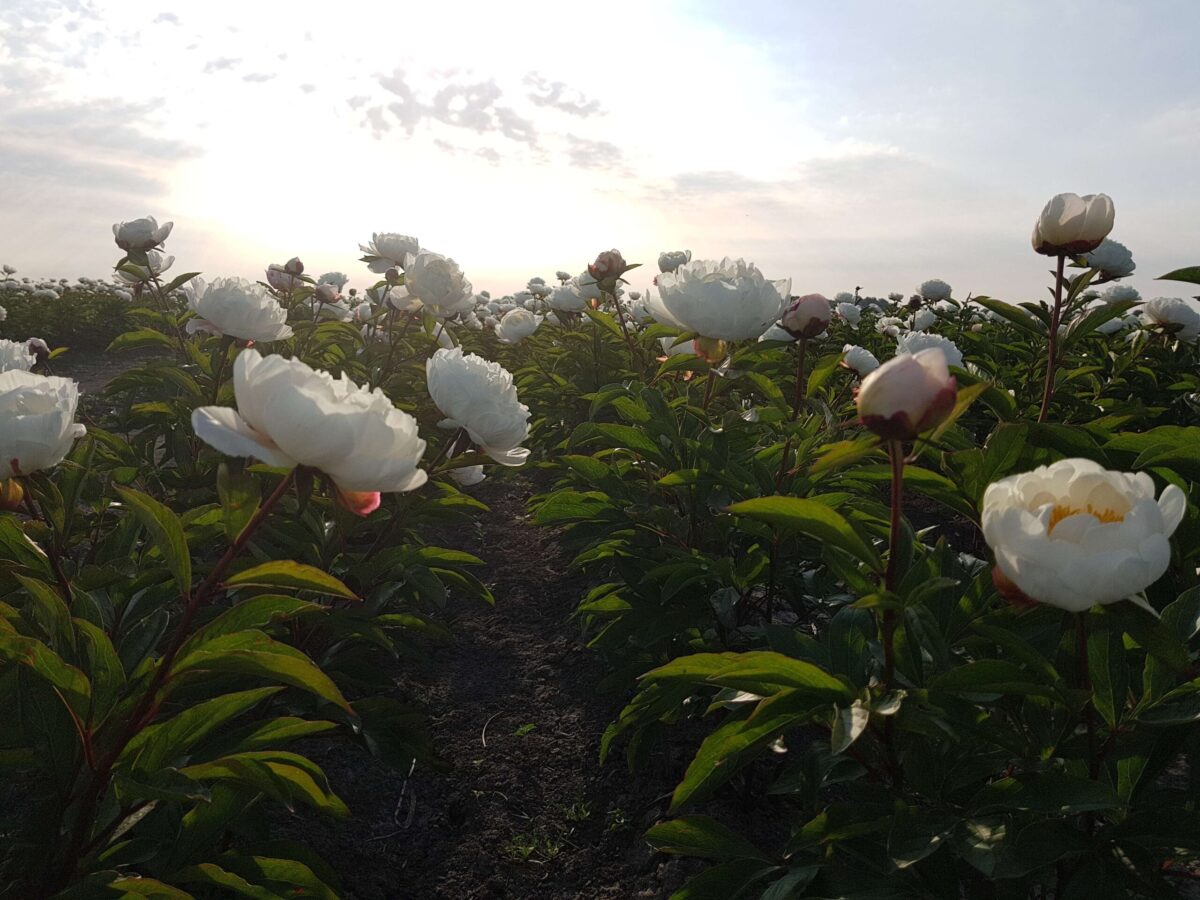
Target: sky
(860,143)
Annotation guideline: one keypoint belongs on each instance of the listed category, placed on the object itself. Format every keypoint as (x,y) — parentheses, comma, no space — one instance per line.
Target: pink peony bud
(807,316)
(608,266)
(907,395)
(293,266)
(327,293)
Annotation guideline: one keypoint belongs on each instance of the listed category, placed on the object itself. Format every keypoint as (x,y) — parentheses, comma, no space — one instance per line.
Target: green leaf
(166,531)
(257,612)
(69,682)
(737,740)
(988,676)
(727,881)
(239,493)
(286,777)
(165,742)
(1012,314)
(1189,274)
(812,518)
(139,338)
(848,724)
(701,836)
(17,548)
(288,574)
(843,453)
(254,653)
(209,874)
(47,609)
(105,671)
(1045,792)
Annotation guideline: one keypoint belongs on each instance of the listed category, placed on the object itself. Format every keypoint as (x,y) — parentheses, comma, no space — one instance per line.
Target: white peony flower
(889,325)
(388,249)
(131,274)
(1173,316)
(468,475)
(1112,258)
(337,279)
(37,421)
(15,356)
(3,313)
(850,313)
(859,360)
(236,308)
(1074,534)
(587,287)
(1071,225)
(517,325)
(924,319)
(934,289)
(567,298)
(141,234)
(1116,293)
(480,397)
(289,414)
(777,333)
(915,342)
(670,260)
(439,284)
(670,348)
(907,395)
(728,300)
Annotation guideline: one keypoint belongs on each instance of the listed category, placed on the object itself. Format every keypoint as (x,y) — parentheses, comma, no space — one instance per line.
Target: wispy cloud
(221,64)
(556,95)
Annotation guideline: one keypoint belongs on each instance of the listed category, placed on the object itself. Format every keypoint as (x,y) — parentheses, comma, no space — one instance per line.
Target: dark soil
(525,810)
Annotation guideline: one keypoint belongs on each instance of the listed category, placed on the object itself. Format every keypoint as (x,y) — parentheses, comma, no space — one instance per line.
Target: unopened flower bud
(907,395)
(807,316)
(1071,225)
(293,266)
(326,293)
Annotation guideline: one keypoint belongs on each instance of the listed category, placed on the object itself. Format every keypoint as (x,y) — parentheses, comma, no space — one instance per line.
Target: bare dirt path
(525,810)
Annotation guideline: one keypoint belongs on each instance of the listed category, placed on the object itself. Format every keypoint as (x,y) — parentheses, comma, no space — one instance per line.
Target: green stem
(1052,343)
(801,378)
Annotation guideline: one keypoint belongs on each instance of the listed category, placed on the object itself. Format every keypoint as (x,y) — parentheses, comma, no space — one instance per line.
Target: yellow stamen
(1105,516)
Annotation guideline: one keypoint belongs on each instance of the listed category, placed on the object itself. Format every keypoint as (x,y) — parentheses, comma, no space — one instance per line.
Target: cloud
(472,106)
(589,154)
(166,18)
(556,95)
(308,88)
(220,64)
(257,77)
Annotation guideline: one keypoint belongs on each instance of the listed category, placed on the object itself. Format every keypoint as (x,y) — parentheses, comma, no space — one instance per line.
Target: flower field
(835,598)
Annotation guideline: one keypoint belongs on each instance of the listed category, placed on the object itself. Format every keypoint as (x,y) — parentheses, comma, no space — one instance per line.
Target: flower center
(1060,512)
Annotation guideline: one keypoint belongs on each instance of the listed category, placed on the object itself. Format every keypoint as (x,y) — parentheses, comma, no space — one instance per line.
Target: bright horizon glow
(863,145)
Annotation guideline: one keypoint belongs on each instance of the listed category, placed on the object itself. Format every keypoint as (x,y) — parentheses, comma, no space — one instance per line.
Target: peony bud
(807,316)
(326,293)
(608,267)
(711,350)
(279,279)
(11,494)
(907,395)
(670,260)
(293,266)
(1070,225)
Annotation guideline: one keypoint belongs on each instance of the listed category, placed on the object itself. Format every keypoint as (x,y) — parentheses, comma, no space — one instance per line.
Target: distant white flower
(1173,316)
(934,289)
(587,287)
(1117,293)
(859,360)
(388,249)
(843,297)
(439,284)
(337,279)
(1112,258)
(849,312)
(889,325)
(638,309)
(237,308)
(728,300)
(517,325)
(290,414)
(37,421)
(567,298)
(44,294)
(15,355)
(915,342)
(479,396)
(1074,534)
(8,270)
(131,274)
(3,313)
(924,319)
(141,234)
(670,260)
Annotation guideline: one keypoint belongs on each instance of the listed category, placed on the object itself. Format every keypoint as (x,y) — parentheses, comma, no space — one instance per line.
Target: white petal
(223,429)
